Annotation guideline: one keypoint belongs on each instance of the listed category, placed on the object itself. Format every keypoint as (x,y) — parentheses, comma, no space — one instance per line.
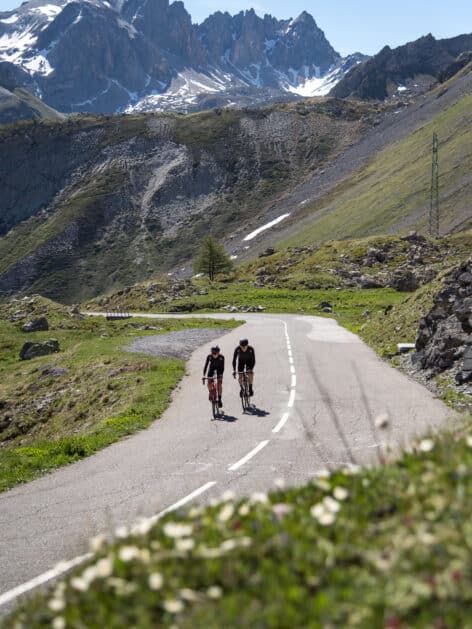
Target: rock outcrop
(33,350)
(380,76)
(40,324)
(444,339)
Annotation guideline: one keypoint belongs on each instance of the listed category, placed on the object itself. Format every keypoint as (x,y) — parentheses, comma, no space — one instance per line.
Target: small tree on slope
(212,258)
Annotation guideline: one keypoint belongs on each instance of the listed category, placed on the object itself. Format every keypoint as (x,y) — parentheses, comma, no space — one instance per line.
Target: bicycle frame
(213,394)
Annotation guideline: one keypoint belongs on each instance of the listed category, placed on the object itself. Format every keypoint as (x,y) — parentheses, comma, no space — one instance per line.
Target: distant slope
(96,203)
(423,60)
(20,104)
(381,184)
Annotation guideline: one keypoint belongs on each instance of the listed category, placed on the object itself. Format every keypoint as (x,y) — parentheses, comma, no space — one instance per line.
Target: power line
(434,203)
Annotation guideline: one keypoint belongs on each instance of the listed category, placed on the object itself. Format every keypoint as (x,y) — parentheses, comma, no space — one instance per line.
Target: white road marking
(281,423)
(183,501)
(294,381)
(61,568)
(292,369)
(248,456)
(65,566)
(291,399)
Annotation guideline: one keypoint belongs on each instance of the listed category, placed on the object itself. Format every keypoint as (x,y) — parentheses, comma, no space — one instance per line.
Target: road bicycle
(245,397)
(213,389)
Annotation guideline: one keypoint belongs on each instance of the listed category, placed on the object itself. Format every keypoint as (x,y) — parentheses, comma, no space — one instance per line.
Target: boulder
(268,252)
(404,281)
(36,325)
(33,350)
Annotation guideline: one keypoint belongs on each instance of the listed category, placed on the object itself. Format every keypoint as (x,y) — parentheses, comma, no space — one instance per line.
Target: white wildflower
(228,495)
(173,606)
(317,510)
(97,543)
(426,445)
(79,584)
(58,623)
(121,532)
(89,574)
(468,440)
(322,484)
(259,496)
(228,545)
(128,553)
(184,545)
(352,470)
(382,421)
(175,529)
(331,504)
(324,473)
(215,591)
(57,604)
(142,527)
(104,567)
(245,542)
(226,512)
(195,512)
(340,493)
(145,555)
(155,581)
(244,509)
(188,595)
(280,483)
(327,518)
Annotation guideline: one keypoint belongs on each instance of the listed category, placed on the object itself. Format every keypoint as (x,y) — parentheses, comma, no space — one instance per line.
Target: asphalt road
(318,392)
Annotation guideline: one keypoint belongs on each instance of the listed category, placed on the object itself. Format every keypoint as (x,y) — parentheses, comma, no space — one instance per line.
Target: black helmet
(215,349)
(244,342)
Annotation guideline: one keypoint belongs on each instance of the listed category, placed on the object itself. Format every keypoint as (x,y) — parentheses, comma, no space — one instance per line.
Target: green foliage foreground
(381,547)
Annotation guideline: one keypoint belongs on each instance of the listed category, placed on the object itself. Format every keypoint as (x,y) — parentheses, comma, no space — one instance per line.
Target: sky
(352,25)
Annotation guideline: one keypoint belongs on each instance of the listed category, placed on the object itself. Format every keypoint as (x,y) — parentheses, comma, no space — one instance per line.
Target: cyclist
(244,358)
(215,363)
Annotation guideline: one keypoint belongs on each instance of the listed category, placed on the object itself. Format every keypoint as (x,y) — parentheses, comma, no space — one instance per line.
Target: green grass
(395,184)
(384,547)
(99,394)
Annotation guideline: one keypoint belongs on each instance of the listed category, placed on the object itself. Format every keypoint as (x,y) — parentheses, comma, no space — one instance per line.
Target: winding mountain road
(318,392)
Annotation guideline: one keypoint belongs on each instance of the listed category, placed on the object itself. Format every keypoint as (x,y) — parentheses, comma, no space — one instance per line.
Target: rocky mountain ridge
(415,65)
(142,55)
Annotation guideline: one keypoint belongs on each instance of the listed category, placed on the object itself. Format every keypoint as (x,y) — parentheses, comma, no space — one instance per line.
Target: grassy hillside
(386,547)
(45,419)
(392,191)
(20,104)
(95,203)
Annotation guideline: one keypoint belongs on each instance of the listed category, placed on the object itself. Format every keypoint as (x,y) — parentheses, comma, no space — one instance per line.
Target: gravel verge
(175,344)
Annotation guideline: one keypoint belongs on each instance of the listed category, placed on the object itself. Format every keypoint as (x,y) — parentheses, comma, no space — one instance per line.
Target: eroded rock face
(33,350)
(444,338)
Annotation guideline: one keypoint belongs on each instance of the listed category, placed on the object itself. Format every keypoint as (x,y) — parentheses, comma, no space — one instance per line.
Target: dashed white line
(294,381)
(66,566)
(61,568)
(248,456)
(291,399)
(281,423)
(292,369)
(183,501)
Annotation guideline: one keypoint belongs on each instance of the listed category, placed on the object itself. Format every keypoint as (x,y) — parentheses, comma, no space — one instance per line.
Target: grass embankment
(59,408)
(392,191)
(385,547)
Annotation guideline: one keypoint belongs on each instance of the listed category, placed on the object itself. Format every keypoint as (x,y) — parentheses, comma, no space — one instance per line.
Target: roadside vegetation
(385,547)
(59,408)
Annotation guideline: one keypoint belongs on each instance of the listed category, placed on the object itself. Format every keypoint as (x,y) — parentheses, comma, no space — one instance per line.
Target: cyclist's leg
(250,379)
(220,386)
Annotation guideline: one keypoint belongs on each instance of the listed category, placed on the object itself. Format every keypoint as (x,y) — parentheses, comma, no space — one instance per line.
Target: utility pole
(434,204)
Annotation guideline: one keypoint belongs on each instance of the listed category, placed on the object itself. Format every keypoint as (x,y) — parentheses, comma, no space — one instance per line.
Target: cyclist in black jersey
(215,364)
(244,358)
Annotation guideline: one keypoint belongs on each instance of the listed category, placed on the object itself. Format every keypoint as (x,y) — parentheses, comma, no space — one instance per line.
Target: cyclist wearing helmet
(215,364)
(244,358)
